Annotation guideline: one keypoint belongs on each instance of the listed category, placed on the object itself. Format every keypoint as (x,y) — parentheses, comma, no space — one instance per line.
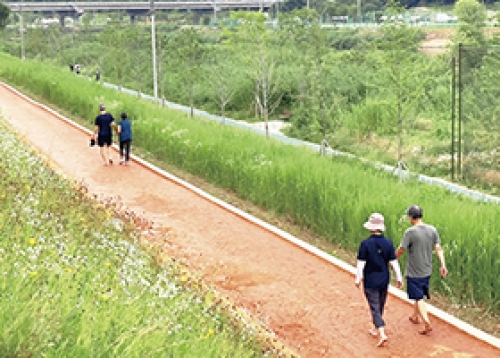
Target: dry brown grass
(437,41)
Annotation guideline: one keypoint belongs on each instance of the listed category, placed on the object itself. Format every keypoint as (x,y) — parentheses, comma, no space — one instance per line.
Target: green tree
(53,35)
(36,43)
(470,34)
(85,38)
(398,79)
(116,57)
(301,32)
(223,76)
(4,15)
(472,20)
(136,55)
(253,40)
(187,53)
(162,60)
(291,36)
(484,109)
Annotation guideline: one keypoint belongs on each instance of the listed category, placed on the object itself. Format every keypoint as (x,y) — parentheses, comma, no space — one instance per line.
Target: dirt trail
(312,305)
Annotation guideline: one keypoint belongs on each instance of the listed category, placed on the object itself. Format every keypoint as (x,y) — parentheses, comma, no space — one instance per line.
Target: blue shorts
(417,287)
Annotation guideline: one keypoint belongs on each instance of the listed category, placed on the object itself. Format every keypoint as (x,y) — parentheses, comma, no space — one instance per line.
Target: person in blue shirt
(374,256)
(102,129)
(124,131)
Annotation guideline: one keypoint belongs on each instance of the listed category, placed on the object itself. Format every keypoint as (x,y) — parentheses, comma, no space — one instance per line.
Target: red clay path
(311,305)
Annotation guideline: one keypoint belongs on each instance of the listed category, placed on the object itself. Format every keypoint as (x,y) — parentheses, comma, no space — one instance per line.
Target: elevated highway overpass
(79,8)
(134,8)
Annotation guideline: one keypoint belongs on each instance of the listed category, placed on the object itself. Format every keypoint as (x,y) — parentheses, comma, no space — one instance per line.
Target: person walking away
(420,240)
(374,256)
(102,129)
(124,131)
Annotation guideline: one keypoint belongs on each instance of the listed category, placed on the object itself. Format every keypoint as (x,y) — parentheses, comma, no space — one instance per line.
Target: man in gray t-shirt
(420,240)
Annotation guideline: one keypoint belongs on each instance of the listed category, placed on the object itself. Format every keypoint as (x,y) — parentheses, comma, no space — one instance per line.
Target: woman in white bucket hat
(374,256)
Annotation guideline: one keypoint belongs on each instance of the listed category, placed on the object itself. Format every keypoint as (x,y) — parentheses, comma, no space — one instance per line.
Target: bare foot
(427,329)
(382,341)
(414,319)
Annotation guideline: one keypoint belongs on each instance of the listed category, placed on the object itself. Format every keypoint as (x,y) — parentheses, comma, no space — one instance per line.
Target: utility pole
(21,29)
(459,133)
(215,14)
(453,99)
(153,47)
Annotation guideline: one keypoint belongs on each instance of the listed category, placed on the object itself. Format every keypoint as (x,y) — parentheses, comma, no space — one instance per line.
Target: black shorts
(104,140)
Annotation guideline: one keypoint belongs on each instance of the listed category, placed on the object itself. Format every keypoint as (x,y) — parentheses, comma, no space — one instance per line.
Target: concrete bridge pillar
(135,14)
(61,20)
(197,16)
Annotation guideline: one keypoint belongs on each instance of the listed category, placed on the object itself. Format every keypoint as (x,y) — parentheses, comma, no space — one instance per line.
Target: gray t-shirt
(419,241)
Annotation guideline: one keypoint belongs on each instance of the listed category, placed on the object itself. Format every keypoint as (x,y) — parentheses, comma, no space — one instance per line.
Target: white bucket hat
(375,223)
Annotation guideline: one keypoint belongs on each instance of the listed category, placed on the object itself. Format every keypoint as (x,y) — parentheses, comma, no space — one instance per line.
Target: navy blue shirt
(377,251)
(126,130)
(104,122)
